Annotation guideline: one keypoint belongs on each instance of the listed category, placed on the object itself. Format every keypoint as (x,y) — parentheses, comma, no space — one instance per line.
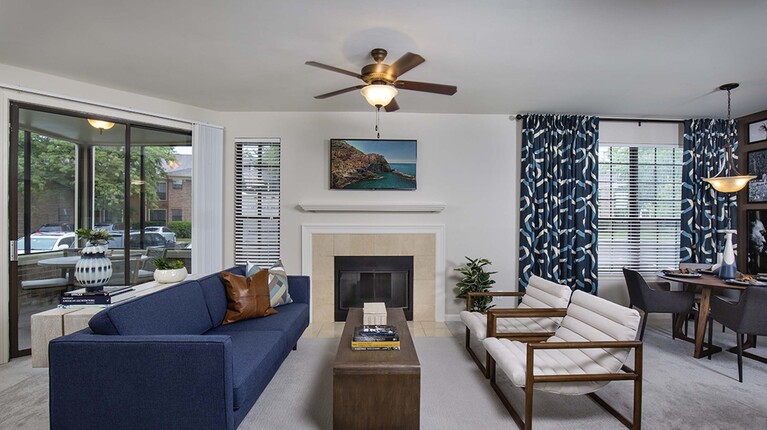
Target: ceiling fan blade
(333,69)
(335,93)
(426,87)
(392,106)
(405,63)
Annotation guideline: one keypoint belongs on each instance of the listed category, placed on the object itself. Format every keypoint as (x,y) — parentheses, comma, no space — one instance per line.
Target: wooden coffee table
(376,389)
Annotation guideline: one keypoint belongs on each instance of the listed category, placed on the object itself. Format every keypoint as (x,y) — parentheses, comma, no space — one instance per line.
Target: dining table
(707,284)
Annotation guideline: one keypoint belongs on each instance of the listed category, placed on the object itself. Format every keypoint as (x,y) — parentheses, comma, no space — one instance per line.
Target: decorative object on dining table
(374,313)
(169,271)
(727,269)
(94,268)
(682,273)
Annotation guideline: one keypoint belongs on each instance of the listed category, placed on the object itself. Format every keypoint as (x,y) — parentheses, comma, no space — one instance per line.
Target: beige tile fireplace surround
(322,243)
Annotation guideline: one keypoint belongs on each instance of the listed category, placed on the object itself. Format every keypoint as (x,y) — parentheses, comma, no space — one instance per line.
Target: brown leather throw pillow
(247,297)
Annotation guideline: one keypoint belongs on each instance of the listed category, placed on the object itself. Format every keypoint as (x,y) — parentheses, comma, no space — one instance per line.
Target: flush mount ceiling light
(379,95)
(735,181)
(101,125)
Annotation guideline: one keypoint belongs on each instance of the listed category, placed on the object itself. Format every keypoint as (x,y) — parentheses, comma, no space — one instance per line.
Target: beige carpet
(680,392)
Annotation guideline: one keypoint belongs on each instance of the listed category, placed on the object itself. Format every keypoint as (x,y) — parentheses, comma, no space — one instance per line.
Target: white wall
(469,162)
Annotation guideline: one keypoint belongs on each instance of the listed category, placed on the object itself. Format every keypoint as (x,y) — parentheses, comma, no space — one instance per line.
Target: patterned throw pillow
(278,282)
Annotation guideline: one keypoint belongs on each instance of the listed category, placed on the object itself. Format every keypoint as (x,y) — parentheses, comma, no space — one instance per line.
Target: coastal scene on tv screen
(357,164)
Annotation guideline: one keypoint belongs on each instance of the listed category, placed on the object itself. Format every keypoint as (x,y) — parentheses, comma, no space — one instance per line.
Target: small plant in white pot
(169,271)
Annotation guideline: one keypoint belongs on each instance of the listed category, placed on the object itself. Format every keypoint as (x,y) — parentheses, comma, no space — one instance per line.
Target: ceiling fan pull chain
(378,112)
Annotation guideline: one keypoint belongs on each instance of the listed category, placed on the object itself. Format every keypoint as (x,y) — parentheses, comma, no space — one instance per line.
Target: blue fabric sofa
(164,361)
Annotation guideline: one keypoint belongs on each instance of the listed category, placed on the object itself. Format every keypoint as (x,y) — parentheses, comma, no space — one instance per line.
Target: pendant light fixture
(735,182)
(100,125)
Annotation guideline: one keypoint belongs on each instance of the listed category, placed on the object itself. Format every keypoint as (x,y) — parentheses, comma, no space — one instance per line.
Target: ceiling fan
(383,80)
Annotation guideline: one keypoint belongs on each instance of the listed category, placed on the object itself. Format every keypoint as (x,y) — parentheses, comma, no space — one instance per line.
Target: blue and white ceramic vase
(728,269)
(94,268)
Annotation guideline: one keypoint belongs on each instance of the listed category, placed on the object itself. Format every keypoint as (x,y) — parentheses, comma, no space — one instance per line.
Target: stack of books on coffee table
(107,296)
(375,338)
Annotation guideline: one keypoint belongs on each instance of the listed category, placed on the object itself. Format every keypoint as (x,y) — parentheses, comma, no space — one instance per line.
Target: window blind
(640,193)
(257,201)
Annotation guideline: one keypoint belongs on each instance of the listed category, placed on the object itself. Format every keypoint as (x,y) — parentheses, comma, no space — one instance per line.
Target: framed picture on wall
(372,164)
(757,166)
(757,131)
(757,241)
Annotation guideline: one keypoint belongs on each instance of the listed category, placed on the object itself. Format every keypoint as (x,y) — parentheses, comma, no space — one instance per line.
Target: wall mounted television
(372,164)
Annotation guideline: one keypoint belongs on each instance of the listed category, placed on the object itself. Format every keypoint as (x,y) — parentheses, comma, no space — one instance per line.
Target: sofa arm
(299,288)
(149,382)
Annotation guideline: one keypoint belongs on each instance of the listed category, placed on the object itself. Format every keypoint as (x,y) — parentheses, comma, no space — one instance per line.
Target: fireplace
(360,279)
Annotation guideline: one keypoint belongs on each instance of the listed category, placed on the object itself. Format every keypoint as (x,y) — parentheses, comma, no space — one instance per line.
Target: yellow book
(377,344)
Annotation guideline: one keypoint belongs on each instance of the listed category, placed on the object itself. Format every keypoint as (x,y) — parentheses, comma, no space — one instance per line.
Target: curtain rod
(639,120)
(102,105)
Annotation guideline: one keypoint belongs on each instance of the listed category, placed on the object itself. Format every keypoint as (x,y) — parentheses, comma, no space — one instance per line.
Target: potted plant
(168,271)
(475,279)
(94,268)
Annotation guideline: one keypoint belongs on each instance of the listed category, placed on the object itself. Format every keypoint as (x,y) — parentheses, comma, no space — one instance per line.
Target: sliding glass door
(66,174)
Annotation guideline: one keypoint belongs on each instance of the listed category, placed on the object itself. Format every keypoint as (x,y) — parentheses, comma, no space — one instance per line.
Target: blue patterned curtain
(704,210)
(558,224)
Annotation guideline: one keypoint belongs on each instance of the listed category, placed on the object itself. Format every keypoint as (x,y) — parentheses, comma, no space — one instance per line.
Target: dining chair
(746,316)
(587,351)
(650,300)
(514,323)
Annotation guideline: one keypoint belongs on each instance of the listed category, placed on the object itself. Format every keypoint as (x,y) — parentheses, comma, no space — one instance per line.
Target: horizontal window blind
(640,193)
(257,201)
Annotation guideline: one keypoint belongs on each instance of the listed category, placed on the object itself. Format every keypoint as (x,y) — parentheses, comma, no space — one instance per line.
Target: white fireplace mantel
(373,207)
(307,230)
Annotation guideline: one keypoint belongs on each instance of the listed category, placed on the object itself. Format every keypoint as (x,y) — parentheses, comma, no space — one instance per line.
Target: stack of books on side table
(375,338)
(107,296)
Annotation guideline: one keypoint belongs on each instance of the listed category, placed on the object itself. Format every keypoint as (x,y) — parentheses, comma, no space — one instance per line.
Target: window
(178,184)
(162,191)
(257,201)
(157,215)
(177,215)
(640,192)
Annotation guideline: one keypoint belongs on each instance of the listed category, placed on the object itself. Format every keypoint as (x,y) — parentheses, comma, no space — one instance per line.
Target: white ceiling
(649,58)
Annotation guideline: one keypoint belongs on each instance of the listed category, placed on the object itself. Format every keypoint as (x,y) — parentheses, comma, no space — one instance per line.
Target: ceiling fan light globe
(101,125)
(379,95)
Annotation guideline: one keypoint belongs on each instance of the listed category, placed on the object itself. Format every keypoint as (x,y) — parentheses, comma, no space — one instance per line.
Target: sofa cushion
(215,294)
(179,309)
(291,320)
(256,356)
(247,296)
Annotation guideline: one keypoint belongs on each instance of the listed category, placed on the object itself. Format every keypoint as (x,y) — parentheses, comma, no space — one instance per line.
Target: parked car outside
(55,228)
(44,242)
(107,227)
(151,240)
(167,233)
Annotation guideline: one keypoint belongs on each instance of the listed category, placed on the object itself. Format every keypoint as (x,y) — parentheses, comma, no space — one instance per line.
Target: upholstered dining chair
(746,316)
(516,323)
(587,351)
(650,300)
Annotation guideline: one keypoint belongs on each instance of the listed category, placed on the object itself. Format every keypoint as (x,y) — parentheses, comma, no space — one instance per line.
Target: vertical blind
(257,201)
(640,193)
